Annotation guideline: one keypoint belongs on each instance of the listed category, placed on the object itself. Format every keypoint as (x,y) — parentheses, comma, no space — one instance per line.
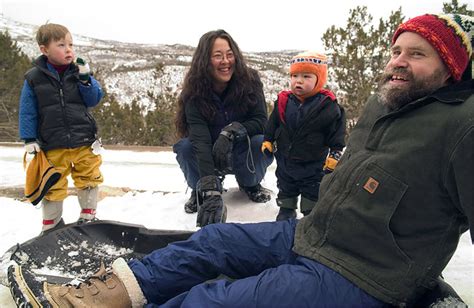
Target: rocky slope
(130,70)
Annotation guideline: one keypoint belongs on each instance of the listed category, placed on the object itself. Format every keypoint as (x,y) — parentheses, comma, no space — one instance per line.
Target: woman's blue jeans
(248,171)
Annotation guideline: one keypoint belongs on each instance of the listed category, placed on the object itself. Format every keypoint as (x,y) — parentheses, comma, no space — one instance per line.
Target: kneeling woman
(221,118)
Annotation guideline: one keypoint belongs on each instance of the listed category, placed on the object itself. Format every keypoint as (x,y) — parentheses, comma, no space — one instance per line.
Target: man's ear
(446,75)
(44,50)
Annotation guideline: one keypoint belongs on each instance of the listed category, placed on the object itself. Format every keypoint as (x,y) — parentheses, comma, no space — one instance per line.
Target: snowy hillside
(129,70)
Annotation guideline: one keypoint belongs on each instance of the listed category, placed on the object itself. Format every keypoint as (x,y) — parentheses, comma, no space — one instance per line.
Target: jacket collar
(451,94)
(455,93)
(42,63)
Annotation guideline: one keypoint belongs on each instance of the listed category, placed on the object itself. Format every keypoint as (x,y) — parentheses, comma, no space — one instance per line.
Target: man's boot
(114,288)
(88,202)
(52,212)
(287,208)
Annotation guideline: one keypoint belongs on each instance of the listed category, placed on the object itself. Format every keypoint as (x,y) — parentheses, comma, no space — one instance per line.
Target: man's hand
(212,210)
(84,70)
(32,147)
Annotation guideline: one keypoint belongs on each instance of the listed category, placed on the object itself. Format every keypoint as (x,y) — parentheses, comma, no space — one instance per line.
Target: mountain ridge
(132,71)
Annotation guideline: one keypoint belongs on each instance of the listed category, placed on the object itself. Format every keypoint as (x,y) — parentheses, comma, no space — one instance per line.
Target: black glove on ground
(222,149)
(212,209)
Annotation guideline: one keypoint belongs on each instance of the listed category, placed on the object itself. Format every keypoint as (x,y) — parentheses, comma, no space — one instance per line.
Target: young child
(306,124)
(54,118)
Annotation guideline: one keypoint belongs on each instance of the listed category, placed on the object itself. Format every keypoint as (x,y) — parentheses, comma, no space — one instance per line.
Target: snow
(152,193)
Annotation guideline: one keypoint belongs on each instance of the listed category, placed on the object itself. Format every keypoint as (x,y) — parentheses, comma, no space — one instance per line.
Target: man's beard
(395,97)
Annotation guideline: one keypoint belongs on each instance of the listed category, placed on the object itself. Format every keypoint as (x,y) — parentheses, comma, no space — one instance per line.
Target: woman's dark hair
(243,87)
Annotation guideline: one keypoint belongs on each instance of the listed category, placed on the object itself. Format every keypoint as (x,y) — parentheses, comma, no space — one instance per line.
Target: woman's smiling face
(222,64)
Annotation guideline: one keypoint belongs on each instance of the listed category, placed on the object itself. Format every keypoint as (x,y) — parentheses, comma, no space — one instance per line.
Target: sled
(75,251)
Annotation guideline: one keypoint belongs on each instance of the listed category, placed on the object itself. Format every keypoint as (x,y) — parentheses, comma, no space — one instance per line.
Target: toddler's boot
(287,208)
(307,205)
(52,212)
(88,202)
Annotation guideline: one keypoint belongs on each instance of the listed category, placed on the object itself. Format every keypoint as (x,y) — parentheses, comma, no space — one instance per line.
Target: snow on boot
(82,221)
(88,202)
(257,193)
(113,288)
(191,205)
(52,212)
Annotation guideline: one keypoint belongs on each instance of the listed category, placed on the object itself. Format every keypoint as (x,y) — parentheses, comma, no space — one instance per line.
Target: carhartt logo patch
(371,185)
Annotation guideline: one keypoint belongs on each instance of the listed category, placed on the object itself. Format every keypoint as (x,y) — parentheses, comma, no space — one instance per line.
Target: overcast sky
(256,25)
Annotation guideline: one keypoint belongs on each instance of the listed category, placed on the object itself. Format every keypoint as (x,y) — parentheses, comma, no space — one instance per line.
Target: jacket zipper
(63,108)
(61,97)
(316,108)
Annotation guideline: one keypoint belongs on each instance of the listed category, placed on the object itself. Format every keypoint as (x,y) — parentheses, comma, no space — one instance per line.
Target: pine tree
(159,122)
(455,8)
(160,129)
(359,53)
(109,117)
(13,66)
(133,124)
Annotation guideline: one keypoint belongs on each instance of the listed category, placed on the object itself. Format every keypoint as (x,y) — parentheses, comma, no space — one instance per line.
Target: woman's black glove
(212,210)
(222,149)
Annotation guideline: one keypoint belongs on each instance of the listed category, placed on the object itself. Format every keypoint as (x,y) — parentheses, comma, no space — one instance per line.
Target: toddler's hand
(84,70)
(32,147)
(267,147)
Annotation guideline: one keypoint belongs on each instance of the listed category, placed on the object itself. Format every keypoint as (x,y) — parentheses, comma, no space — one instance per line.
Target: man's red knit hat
(451,36)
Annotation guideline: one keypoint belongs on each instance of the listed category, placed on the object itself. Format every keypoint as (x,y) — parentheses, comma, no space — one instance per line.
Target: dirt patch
(17,192)
(135,148)
(138,148)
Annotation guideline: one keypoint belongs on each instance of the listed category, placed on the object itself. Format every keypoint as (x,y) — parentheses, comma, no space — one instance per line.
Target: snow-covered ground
(156,198)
